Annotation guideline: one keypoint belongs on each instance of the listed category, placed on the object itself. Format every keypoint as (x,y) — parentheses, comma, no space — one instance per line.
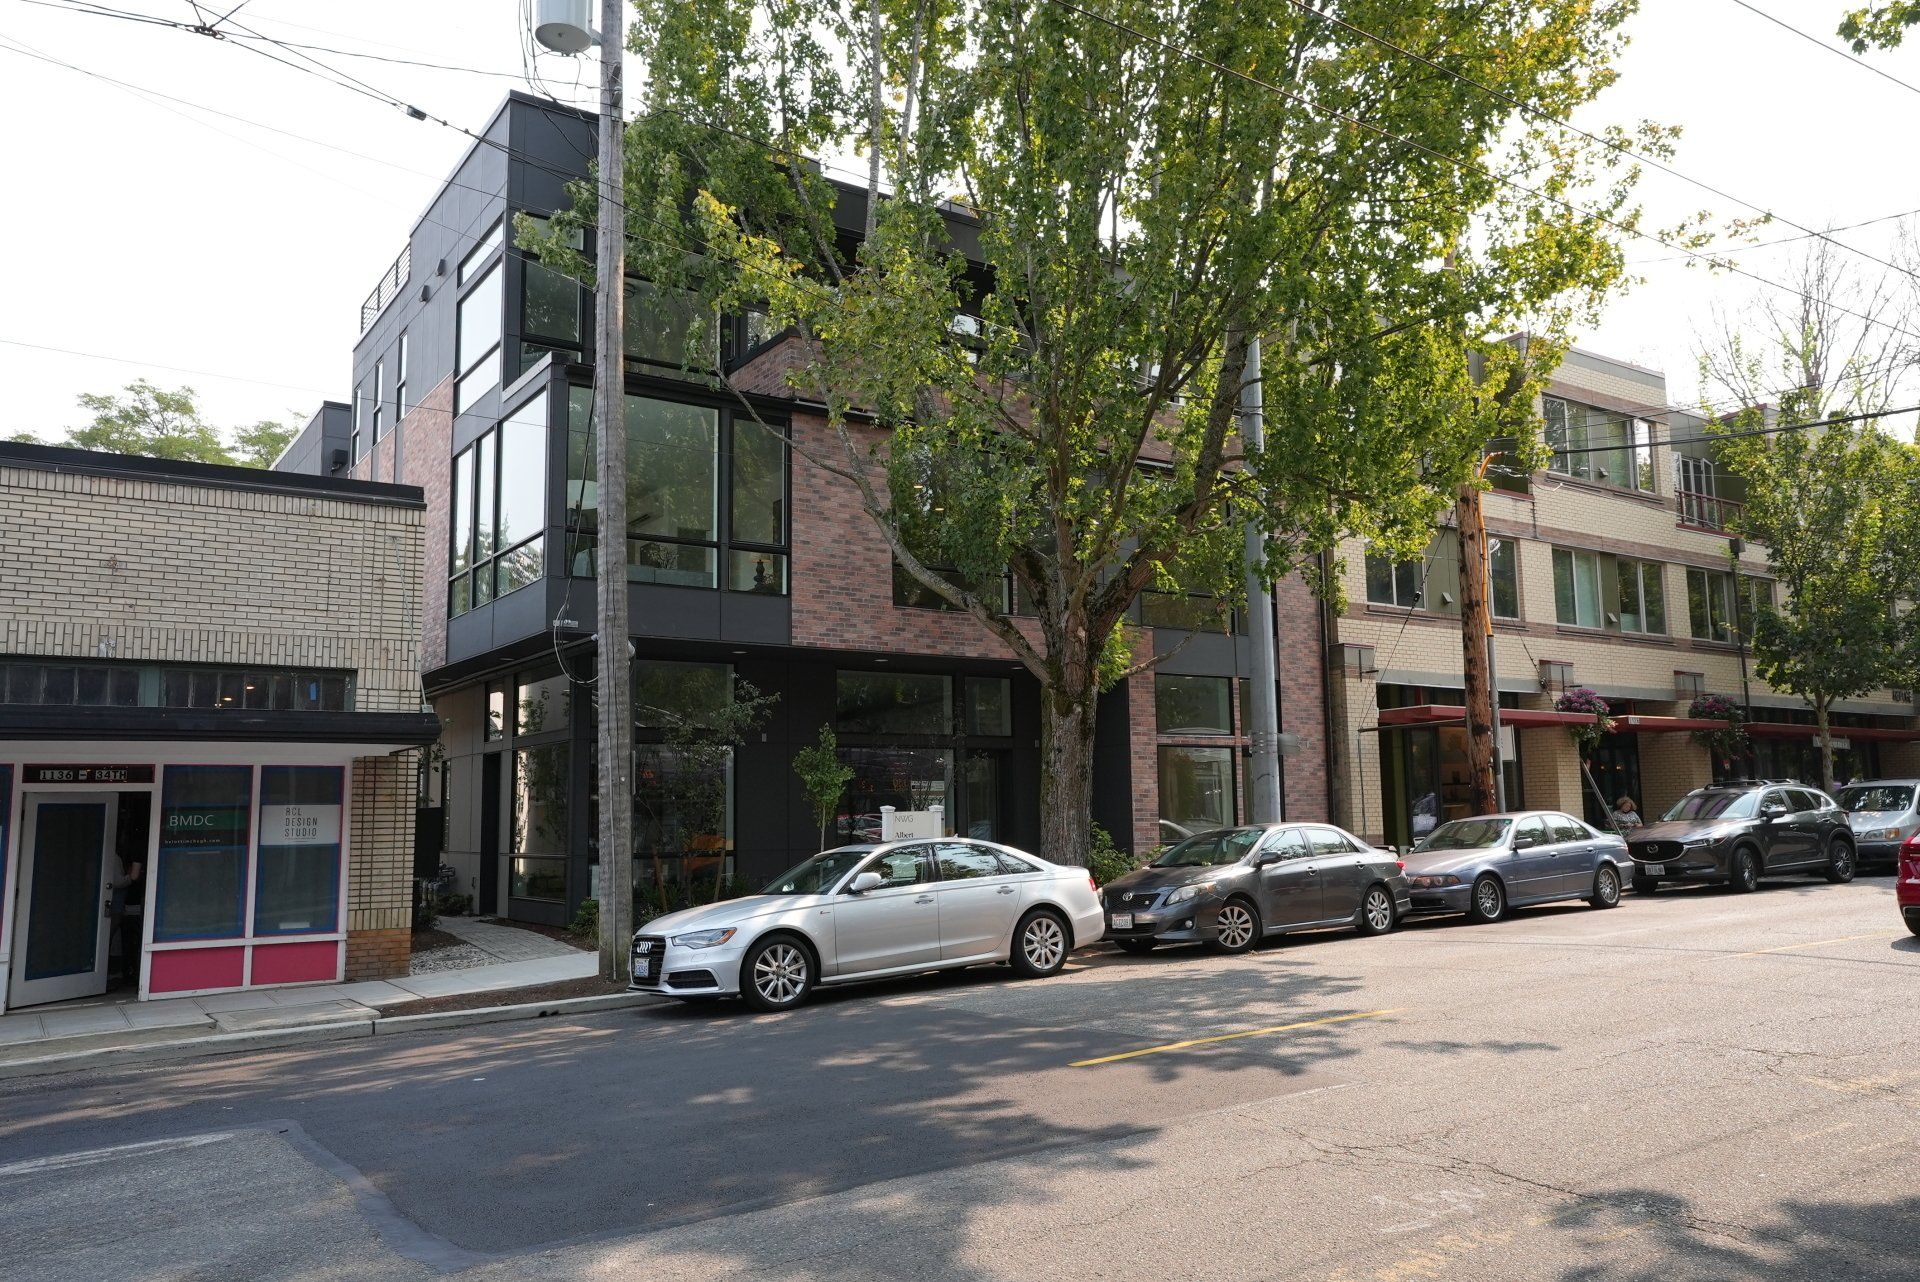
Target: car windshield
(1870,798)
(1211,849)
(1714,805)
(1466,834)
(819,874)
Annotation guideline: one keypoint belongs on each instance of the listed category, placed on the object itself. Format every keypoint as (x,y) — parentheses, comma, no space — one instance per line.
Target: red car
(1906,882)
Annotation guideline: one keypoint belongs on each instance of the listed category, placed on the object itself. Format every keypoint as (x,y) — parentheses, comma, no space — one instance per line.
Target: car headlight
(1882,834)
(1434,882)
(1698,843)
(705,938)
(1184,893)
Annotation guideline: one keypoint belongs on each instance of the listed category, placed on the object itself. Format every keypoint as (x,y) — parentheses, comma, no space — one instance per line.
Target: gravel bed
(457,957)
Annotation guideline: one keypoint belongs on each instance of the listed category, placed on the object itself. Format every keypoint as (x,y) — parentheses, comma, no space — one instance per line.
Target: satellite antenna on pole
(562,25)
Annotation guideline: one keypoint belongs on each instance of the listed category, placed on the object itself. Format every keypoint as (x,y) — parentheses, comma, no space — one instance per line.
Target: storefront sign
(86,774)
(305,825)
(190,826)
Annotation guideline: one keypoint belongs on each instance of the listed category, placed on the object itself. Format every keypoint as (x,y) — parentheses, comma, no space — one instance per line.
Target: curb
(311,1034)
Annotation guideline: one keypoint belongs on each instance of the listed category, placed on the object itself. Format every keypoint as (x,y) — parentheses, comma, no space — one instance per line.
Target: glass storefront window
(540,801)
(542,704)
(1192,705)
(893,703)
(989,706)
(206,815)
(297,882)
(682,810)
(496,727)
(1196,790)
(665,692)
(904,778)
(537,878)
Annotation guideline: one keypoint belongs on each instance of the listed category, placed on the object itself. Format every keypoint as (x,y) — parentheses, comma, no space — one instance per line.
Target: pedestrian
(1625,816)
(129,910)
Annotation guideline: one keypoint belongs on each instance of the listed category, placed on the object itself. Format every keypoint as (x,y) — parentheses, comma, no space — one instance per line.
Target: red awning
(1795,730)
(1440,713)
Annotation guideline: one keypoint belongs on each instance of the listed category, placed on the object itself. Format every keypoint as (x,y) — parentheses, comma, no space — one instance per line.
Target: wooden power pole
(612,683)
(1476,633)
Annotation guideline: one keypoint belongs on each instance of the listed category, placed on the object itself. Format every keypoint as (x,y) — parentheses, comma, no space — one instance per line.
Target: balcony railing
(1707,511)
(388,289)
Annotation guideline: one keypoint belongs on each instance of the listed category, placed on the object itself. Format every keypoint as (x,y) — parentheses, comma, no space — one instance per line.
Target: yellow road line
(1228,1037)
(1787,948)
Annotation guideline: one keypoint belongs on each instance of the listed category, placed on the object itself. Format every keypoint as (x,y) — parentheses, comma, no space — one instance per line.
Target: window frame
(475,485)
(1642,573)
(492,278)
(1574,448)
(1575,558)
(1511,547)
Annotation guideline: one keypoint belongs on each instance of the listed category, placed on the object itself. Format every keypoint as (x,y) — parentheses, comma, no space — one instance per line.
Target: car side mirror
(1773,812)
(1524,843)
(864,882)
(1266,859)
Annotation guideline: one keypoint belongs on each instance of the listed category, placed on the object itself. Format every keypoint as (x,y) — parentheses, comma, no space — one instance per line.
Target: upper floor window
(550,309)
(478,341)
(668,326)
(400,377)
(1598,445)
(379,398)
(483,250)
(83,684)
(498,497)
(893,703)
(1431,583)
(1598,590)
(1721,606)
(676,466)
(1576,588)
(1642,598)
(1503,572)
(1186,705)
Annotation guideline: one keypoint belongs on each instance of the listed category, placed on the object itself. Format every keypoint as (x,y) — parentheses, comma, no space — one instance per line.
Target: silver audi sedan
(869,911)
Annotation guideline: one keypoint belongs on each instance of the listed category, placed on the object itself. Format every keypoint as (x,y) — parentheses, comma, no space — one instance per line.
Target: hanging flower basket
(1727,742)
(1586,737)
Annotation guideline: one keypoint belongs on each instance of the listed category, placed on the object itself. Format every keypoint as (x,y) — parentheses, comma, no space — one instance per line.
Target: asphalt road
(1698,1085)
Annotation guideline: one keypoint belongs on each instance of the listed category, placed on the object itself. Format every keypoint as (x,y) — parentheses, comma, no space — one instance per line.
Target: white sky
(161,235)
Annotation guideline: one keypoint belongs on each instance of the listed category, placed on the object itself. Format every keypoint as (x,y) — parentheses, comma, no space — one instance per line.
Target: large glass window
(1196,790)
(904,778)
(1431,583)
(482,251)
(297,881)
(667,693)
(893,703)
(552,304)
(206,815)
(1643,601)
(1576,588)
(1597,445)
(542,705)
(539,831)
(758,521)
(499,498)
(400,404)
(682,811)
(989,706)
(1193,705)
(479,340)
(1503,570)
(110,685)
(1710,606)
(379,398)
(658,321)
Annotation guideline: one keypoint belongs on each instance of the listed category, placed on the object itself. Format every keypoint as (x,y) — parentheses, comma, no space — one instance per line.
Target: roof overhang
(364,733)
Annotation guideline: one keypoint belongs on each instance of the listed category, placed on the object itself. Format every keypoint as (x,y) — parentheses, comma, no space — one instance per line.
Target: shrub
(1586,737)
(1107,861)
(586,921)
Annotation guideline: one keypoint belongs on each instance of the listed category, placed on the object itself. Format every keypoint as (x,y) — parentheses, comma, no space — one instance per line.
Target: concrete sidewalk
(115,1024)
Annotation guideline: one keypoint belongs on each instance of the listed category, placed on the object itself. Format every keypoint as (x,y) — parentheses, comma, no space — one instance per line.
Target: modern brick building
(471,381)
(1613,571)
(213,673)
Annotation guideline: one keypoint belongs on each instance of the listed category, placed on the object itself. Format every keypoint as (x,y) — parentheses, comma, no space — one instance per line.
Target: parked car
(1490,864)
(1230,887)
(1906,883)
(871,910)
(1883,813)
(1739,832)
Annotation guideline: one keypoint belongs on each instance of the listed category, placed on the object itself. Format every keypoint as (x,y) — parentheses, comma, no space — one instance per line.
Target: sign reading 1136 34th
(86,774)
(302,825)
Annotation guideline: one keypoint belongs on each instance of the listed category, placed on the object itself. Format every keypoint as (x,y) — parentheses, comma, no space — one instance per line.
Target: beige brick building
(1613,571)
(211,674)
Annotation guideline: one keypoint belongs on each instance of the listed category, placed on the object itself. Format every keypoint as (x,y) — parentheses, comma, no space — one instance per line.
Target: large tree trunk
(1826,744)
(1066,775)
(1476,627)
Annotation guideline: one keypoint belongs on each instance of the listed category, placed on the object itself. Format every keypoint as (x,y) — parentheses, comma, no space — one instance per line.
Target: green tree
(824,776)
(1879,26)
(1031,335)
(1833,505)
(260,444)
(151,421)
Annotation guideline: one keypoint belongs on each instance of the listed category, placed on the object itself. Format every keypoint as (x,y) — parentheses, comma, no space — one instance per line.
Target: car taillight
(1401,864)
(1092,885)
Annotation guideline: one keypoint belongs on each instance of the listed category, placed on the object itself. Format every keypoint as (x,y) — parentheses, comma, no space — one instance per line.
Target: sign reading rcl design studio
(299,825)
(86,774)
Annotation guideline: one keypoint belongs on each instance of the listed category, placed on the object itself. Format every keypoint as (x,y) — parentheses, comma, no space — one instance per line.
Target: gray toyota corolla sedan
(1488,864)
(1229,887)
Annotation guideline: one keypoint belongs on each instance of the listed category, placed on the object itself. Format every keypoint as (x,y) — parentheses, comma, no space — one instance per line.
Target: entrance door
(61,929)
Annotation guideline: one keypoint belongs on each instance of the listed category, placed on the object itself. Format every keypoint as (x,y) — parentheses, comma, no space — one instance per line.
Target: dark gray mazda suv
(1737,833)
(1229,887)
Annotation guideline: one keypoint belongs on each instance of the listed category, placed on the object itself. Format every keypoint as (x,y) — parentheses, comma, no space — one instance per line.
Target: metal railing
(1707,511)
(388,289)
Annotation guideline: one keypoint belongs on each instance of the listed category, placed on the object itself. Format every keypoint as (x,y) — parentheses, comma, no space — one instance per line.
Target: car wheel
(1745,874)
(1039,945)
(1489,901)
(776,974)
(1377,915)
(1138,947)
(1644,885)
(1840,861)
(1606,888)
(1236,927)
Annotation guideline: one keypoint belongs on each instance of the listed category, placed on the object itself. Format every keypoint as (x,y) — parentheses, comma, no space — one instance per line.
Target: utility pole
(1735,546)
(1493,684)
(1263,761)
(613,679)
(1476,636)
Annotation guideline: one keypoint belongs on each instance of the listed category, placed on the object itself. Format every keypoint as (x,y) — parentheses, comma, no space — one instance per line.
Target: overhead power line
(1501,95)
(1468,166)
(171,369)
(1838,52)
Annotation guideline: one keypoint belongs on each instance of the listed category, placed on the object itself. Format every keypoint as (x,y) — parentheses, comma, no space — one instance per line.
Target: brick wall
(1355,756)
(1143,759)
(426,459)
(380,865)
(166,570)
(1300,649)
(1550,770)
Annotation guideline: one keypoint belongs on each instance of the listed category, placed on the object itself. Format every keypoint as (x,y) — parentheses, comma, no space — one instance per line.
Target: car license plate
(1654,870)
(1123,921)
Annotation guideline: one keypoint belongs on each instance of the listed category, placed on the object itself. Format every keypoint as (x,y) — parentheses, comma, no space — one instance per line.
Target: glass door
(62,919)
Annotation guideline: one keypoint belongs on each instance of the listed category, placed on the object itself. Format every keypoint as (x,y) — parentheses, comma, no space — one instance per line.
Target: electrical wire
(1618,148)
(1861,63)
(171,369)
